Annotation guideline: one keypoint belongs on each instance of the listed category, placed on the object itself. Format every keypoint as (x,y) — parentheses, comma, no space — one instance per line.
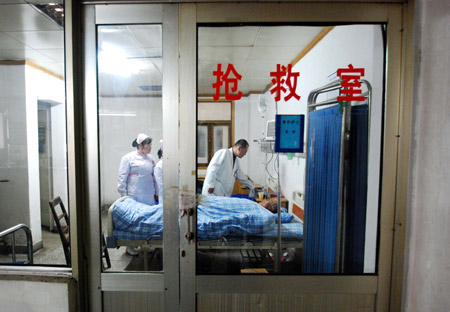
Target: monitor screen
(289,133)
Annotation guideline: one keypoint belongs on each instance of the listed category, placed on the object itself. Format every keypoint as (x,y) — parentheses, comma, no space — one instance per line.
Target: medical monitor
(289,133)
(270,130)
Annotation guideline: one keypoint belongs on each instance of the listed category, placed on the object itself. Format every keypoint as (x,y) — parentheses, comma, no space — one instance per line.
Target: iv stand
(278,253)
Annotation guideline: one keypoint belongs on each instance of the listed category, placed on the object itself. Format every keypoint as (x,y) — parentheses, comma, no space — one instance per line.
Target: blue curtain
(356,186)
(322,190)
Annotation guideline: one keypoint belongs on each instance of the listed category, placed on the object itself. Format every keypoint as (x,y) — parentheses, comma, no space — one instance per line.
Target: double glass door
(157,75)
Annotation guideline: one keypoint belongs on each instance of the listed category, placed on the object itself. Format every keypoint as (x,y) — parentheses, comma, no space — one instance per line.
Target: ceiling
(27,34)
(254,51)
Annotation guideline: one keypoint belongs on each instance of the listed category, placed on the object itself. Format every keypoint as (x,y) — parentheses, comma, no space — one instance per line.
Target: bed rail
(335,85)
(12,232)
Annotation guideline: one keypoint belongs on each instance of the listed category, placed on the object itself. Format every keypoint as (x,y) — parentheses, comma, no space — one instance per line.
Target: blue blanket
(218,217)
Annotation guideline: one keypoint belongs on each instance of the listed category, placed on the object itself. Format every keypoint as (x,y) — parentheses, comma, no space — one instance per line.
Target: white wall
(359,45)
(428,218)
(117,132)
(13,158)
(59,152)
(19,296)
(45,87)
(42,86)
(250,125)
(20,88)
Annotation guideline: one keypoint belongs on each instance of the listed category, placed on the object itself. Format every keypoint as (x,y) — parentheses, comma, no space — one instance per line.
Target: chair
(64,232)
(105,254)
(62,229)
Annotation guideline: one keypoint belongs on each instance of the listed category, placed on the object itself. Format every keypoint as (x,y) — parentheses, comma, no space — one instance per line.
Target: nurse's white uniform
(136,177)
(221,174)
(159,179)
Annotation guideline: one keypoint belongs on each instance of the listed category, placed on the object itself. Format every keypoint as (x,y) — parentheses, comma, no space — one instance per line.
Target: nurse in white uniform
(136,172)
(136,176)
(224,169)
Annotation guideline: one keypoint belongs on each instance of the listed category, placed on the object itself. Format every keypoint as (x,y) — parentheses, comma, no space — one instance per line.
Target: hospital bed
(222,224)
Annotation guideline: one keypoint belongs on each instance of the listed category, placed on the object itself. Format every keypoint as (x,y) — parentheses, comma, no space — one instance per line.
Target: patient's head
(270,204)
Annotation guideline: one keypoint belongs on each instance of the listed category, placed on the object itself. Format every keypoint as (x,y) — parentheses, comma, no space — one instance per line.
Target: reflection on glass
(33,163)
(220,137)
(311,212)
(130,129)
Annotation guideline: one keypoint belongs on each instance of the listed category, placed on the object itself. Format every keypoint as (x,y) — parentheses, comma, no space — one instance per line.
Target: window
(212,136)
(33,154)
(130,114)
(214,129)
(328,224)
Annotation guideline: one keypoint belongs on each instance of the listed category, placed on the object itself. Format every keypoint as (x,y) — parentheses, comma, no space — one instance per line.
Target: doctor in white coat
(224,169)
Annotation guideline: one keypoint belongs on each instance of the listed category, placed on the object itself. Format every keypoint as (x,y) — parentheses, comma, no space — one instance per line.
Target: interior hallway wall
(21,87)
(428,221)
(14,156)
(41,86)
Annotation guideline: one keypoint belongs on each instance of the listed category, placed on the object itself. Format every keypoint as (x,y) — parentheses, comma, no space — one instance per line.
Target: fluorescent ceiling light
(113,60)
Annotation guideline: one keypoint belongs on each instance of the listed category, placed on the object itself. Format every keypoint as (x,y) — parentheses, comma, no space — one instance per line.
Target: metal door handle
(187,210)
(4,180)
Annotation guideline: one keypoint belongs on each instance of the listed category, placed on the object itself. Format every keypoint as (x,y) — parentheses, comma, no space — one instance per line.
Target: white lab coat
(221,174)
(136,177)
(159,179)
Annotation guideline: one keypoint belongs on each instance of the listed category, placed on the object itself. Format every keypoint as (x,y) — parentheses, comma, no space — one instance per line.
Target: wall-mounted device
(289,133)
(268,142)
(270,130)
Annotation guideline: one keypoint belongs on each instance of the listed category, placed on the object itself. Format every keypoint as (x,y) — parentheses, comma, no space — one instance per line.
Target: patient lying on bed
(216,218)
(270,204)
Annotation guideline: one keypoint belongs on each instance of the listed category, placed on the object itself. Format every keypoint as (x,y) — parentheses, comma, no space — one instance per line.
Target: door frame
(375,284)
(182,101)
(165,283)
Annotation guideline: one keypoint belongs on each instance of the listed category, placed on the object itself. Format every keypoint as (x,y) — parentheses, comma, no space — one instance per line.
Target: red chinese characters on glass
(233,80)
(278,81)
(350,83)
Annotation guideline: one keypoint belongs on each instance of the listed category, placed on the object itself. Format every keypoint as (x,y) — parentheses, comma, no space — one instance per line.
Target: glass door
(333,228)
(147,68)
(131,142)
(300,236)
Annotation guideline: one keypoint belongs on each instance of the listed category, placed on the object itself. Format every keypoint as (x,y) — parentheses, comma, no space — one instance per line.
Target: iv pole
(278,253)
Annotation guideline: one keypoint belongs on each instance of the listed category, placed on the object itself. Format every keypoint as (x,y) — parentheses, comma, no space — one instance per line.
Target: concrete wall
(19,296)
(428,221)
